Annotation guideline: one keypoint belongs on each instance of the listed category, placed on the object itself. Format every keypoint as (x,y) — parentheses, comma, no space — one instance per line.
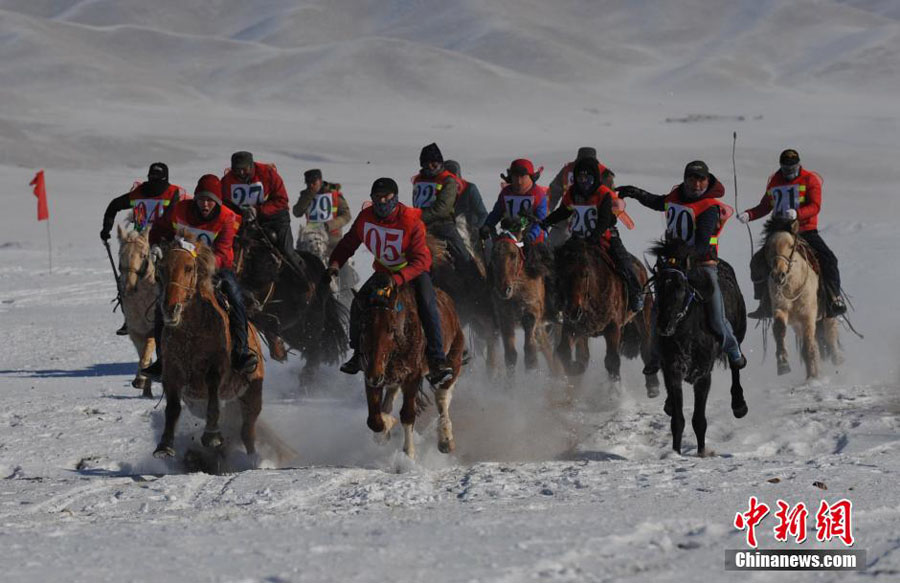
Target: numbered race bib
(424,194)
(147,210)
(584,220)
(202,235)
(516,205)
(680,222)
(385,244)
(247,194)
(322,208)
(786,197)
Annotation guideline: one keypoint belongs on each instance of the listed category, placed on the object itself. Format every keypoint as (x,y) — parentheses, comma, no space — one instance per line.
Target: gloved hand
(104,235)
(248,212)
(744,217)
(628,191)
(545,225)
(155,253)
(330,273)
(790,214)
(485,232)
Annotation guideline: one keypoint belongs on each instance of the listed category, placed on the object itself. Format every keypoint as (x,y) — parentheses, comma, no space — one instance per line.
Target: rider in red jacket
(395,234)
(209,222)
(794,193)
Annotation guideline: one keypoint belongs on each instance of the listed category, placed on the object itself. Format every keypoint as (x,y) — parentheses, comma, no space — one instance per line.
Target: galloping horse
(518,294)
(291,303)
(595,303)
(393,345)
(688,346)
(138,284)
(196,350)
(794,291)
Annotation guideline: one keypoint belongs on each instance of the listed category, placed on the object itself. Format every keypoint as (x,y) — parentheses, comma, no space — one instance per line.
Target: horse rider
(324,207)
(395,234)
(696,215)
(589,204)
(794,193)
(256,191)
(523,198)
(215,225)
(147,201)
(564,179)
(469,203)
(435,192)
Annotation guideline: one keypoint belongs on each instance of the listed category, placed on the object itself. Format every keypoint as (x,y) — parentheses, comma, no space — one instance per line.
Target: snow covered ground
(95,90)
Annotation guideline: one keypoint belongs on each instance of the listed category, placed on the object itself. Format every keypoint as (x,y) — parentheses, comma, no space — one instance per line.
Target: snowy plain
(93,91)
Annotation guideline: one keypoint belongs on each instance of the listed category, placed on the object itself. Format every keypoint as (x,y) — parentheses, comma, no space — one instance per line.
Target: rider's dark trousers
(426,302)
(622,259)
(280,224)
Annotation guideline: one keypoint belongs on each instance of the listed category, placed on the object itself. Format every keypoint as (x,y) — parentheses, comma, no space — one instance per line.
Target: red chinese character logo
(748,520)
(793,522)
(834,521)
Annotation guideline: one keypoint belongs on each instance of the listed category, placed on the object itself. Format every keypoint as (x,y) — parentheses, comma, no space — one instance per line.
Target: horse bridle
(192,288)
(790,264)
(508,237)
(693,293)
(140,272)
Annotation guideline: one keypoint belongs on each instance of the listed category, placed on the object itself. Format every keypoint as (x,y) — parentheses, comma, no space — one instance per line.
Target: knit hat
(209,186)
(789,157)
(696,168)
(430,153)
(241,160)
(586,152)
(158,171)
(521,167)
(384,186)
(311,176)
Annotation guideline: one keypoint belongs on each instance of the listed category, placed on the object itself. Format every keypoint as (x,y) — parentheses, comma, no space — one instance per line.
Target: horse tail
(631,339)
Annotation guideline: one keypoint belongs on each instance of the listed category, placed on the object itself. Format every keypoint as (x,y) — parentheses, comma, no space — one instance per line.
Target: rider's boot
(153,371)
(354,364)
(765,303)
(123,331)
(836,308)
(439,373)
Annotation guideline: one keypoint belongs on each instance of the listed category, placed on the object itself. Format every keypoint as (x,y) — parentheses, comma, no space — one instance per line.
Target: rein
(693,294)
(790,264)
(192,287)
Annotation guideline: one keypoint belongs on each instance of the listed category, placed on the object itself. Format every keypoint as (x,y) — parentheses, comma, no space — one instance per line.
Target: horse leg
(251,405)
(146,347)
(442,398)
(613,361)
(166,447)
(651,381)
(212,436)
(738,404)
(564,348)
(698,419)
(379,421)
(673,406)
(830,339)
(810,346)
(508,335)
(529,323)
(408,415)
(582,354)
(779,330)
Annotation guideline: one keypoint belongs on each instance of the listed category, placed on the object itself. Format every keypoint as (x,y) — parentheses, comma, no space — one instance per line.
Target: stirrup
(761,313)
(837,308)
(153,371)
(439,374)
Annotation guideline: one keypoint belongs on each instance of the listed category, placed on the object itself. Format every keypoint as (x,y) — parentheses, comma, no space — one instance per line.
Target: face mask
(384,208)
(585,183)
(790,172)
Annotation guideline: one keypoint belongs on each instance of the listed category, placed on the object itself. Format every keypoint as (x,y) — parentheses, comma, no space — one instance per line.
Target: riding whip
(112,264)
(734,171)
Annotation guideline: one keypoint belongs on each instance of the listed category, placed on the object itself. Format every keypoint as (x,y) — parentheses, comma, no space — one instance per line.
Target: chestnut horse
(138,284)
(196,350)
(794,291)
(519,296)
(595,303)
(394,350)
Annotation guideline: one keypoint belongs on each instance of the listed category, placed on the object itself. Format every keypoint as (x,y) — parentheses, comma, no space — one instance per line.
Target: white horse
(138,284)
(794,289)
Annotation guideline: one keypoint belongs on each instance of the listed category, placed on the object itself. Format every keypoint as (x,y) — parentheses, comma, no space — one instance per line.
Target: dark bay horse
(595,303)
(291,302)
(688,346)
(393,345)
(196,350)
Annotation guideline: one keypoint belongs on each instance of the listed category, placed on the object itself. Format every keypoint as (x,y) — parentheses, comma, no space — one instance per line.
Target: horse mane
(206,262)
(438,248)
(776,225)
(672,248)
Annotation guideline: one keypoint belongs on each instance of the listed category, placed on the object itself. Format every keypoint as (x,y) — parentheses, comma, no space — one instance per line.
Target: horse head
(507,265)
(187,267)
(134,258)
(780,248)
(385,323)
(675,292)
(578,283)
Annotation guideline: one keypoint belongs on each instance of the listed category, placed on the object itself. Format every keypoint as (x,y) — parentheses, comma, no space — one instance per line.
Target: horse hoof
(163,451)
(652,390)
(448,446)
(213,440)
(783,368)
(740,411)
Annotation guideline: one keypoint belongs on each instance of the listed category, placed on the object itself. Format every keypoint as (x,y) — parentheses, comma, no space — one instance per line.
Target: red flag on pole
(41,193)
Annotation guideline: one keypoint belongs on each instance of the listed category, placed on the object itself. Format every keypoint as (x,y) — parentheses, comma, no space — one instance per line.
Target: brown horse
(519,296)
(595,303)
(795,292)
(394,350)
(138,284)
(196,350)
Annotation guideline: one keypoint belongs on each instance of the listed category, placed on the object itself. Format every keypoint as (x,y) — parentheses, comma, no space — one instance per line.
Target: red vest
(681,215)
(389,240)
(146,209)
(426,189)
(584,213)
(217,233)
(266,190)
(803,194)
